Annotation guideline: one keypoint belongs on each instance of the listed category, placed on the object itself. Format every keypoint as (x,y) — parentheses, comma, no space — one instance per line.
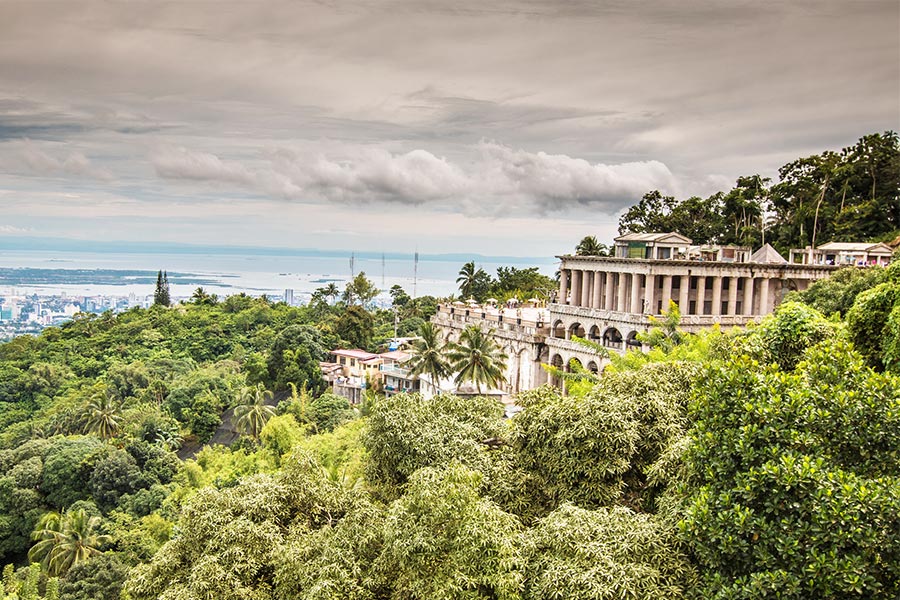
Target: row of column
(630,292)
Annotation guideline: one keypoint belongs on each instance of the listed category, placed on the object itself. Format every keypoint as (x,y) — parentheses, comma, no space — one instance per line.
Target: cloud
(498,178)
(25,156)
(12,230)
(558,181)
(180,163)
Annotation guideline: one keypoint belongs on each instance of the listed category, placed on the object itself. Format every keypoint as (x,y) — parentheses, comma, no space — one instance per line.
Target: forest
(849,195)
(731,464)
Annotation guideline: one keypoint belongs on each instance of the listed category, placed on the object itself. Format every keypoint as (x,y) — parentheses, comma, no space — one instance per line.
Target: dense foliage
(740,464)
(850,195)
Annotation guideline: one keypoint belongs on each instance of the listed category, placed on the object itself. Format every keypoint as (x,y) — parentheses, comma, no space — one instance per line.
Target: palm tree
(331,291)
(252,413)
(589,246)
(103,414)
(64,541)
(428,356)
(477,358)
(466,279)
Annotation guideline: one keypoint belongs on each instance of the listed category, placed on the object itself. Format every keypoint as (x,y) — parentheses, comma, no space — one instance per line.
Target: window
(664,253)
(637,250)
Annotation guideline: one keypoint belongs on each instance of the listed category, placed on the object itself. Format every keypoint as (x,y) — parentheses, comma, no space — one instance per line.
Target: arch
(575,329)
(521,361)
(558,330)
(594,332)
(631,341)
(569,364)
(593,368)
(557,362)
(612,338)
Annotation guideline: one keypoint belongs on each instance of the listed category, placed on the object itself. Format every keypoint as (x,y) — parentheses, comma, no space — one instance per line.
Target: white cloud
(25,156)
(12,230)
(180,163)
(498,178)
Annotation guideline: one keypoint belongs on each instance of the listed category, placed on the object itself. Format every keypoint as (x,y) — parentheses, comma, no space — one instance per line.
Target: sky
(511,127)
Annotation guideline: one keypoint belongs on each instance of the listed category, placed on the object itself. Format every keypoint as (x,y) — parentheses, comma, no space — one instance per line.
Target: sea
(235,272)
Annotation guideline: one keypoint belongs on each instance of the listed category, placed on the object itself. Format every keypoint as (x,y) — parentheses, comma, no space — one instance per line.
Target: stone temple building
(610,299)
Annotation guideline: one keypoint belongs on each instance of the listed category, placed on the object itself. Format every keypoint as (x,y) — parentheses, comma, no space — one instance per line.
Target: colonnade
(650,294)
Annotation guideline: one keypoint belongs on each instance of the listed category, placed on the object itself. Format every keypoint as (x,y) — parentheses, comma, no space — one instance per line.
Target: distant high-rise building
(289,297)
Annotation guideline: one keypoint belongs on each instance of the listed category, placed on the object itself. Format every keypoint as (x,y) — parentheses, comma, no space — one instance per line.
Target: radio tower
(352,259)
(382,270)
(415,273)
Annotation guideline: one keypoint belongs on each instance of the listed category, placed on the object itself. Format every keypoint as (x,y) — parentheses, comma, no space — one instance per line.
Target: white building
(860,254)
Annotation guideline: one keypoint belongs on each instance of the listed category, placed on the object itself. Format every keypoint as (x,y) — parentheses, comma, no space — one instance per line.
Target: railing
(503,321)
(394,370)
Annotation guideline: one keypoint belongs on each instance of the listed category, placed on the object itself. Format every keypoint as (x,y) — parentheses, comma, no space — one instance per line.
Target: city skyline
(513,129)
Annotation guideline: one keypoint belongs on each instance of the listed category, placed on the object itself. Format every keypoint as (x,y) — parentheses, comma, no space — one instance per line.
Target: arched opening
(576,329)
(632,341)
(594,333)
(558,330)
(574,366)
(558,363)
(612,338)
(593,368)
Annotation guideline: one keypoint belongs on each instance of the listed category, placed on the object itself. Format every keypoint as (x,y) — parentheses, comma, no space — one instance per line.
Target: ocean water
(254,274)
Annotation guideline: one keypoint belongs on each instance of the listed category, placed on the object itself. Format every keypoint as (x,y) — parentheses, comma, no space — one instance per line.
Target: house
(861,254)
(395,375)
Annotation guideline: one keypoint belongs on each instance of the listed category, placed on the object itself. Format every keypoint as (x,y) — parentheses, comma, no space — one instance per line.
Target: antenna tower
(415,273)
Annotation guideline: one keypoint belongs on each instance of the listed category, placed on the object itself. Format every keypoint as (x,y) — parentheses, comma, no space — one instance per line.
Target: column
(747,307)
(576,287)
(586,281)
(620,293)
(684,294)
(764,296)
(563,285)
(701,294)
(609,289)
(717,295)
(732,295)
(598,290)
(650,294)
(636,293)
(666,291)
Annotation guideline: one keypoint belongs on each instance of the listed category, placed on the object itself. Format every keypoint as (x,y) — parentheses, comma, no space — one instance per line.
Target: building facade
(609,300)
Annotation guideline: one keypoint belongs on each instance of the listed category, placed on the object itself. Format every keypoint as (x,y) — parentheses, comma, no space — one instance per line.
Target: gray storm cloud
(500,177)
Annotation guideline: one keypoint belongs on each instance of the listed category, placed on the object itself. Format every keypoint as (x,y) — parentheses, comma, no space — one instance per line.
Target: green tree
(201,298)
(63,541)
(443,540)
(793,490)
(253,410)
(99,578)
(589,246)
(356,327)
(473,282)
(604,554)
(665,333)
(360,290)
(428,356)
(161,296)
(399,297)
(103,414)
(328,411)
(68,465)
(477,358)
(405,433)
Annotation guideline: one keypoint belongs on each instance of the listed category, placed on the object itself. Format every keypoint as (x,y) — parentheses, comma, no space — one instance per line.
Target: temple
(611,299)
